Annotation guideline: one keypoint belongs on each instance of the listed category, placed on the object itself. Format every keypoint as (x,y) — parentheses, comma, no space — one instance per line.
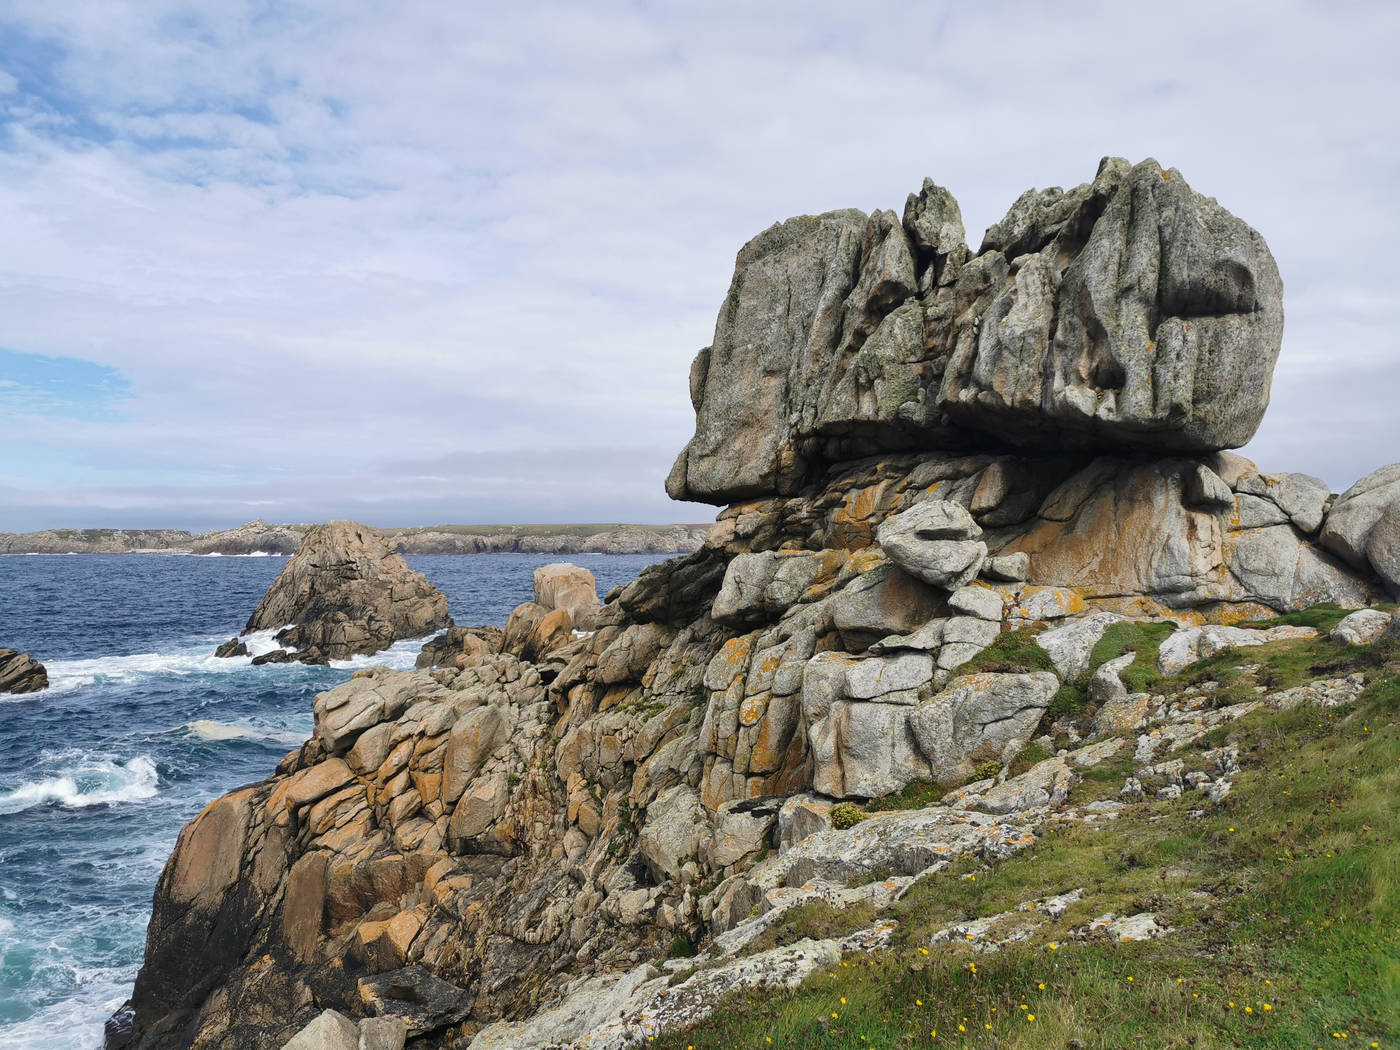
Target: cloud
(316,243)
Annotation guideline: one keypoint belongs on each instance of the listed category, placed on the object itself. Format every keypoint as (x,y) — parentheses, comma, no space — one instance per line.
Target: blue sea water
(140,728)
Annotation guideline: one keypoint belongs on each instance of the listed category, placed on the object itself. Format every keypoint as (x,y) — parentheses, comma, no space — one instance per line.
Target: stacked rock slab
(921,448)
(21,673)
(346,592)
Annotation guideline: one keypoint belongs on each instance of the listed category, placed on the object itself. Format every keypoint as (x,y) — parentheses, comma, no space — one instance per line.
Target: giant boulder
(1130,311)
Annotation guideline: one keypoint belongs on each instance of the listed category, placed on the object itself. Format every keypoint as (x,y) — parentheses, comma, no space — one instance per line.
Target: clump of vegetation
(917,794)
(846,815)
(1032,754)
(1070,701)
(1324,617)
(682,948)
(985,771)
(1014,652)
(816,919)
(866,878)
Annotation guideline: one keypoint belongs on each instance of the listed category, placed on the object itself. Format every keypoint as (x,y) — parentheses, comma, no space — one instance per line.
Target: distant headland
(259,537)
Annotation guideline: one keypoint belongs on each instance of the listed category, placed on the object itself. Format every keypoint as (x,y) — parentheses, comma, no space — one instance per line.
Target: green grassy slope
(1284,903)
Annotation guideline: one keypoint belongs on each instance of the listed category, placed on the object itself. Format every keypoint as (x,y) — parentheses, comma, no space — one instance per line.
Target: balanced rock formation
(923,450)
(21,673)
(347,592)
(1128,312)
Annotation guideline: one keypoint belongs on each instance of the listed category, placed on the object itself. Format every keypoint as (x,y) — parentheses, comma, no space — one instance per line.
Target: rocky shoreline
(979,526)
(259,537)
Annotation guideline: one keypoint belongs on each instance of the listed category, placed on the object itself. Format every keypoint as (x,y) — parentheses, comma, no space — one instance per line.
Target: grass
(917,794)
(1014,652)
(1324,617)
(1285,902)
(1141,675)
(815,919)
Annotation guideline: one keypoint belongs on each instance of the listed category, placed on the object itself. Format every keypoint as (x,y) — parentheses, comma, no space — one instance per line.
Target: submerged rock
(346,592)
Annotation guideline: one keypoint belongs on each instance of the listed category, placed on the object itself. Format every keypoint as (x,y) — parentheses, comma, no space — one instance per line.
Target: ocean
(140,728)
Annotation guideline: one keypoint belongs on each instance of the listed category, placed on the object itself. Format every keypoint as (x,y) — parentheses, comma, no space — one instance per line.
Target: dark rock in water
(21,673)
(118,1031)
(277,656)
(425,1001)
(232,647)
(346,592)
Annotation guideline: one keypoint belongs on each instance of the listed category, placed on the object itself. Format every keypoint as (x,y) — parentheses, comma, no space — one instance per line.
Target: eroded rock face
(21,673)
(543,806)
(1131,311)
(1127,312)
(346,592)
(1363,526)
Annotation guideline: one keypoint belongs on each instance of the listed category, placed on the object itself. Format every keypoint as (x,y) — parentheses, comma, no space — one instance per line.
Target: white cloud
(329,242)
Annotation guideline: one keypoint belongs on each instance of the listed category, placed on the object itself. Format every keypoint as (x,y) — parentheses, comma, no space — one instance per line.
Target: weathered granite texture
(1127,312)
(346,592)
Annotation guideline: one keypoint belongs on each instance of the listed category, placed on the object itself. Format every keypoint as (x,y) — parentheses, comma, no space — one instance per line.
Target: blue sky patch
(36,385)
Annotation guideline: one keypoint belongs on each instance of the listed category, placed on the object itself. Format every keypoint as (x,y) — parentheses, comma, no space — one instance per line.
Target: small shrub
(681,948)
(846,815)
(985,771)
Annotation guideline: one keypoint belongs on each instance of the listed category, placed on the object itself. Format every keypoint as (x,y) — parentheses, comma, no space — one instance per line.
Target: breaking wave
(91,782)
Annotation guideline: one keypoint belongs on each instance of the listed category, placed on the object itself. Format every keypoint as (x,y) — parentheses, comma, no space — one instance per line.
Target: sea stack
(21,673)
(346,592)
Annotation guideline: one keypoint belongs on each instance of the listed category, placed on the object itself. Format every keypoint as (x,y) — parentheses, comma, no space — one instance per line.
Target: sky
(415,263)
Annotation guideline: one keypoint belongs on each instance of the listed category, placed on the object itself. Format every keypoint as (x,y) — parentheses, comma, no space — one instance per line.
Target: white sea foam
(66,675)
(250,554)
(261,642)
(91,782)
(400,656)
(208,729)
(76,1021)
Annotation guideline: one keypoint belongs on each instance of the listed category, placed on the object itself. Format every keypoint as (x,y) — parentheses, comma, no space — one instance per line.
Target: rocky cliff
(949,477)
(346,592)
